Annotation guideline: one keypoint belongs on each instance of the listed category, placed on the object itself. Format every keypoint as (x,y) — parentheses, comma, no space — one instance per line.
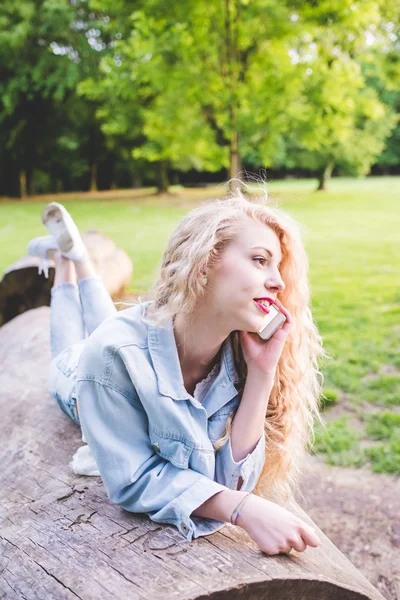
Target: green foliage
(282,80)
(197,86)
(344,123)
(46,48)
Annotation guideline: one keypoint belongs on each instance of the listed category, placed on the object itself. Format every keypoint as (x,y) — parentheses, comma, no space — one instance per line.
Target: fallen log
(22,288)
(61,538)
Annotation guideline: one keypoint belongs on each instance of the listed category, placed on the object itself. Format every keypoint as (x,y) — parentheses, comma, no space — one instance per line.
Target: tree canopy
(94,91)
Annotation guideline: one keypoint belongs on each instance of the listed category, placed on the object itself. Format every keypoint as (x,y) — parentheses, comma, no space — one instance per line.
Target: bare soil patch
(360,512)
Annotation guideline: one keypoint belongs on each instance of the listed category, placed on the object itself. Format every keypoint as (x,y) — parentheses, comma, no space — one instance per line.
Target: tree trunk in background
(162,177)
(30,182)
(235,164)
(325,176)
(93,177)
(136,180)
(22,184)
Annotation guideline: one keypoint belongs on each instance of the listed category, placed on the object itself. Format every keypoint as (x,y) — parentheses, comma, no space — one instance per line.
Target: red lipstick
(261,306)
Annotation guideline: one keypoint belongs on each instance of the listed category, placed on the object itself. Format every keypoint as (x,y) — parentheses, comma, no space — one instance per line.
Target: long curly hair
(196,246)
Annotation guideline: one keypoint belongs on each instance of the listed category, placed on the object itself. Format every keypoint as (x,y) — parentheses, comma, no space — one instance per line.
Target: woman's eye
(261,260)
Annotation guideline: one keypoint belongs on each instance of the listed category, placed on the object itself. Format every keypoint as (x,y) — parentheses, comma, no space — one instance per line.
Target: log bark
(22,288)
(60,537)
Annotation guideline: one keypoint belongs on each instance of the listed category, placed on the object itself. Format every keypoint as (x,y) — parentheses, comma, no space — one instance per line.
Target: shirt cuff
(249,468)
(186,503)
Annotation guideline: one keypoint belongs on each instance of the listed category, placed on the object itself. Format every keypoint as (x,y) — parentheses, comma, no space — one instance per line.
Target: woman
(184,407)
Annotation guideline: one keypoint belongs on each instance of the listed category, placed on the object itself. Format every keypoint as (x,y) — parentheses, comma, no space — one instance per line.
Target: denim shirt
(151,439)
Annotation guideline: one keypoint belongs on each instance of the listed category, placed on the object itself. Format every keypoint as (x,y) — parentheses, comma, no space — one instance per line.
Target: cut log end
(22,288)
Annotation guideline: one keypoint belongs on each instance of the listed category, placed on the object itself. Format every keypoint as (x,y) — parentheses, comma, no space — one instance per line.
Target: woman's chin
(252,326)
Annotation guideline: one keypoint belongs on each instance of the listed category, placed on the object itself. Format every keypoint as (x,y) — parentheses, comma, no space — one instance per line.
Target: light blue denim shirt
(151,439)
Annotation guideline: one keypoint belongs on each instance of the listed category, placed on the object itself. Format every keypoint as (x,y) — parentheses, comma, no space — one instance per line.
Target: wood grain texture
(22,288)
(61,538)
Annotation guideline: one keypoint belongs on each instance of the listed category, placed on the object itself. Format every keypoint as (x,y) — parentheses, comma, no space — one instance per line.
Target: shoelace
(43,267)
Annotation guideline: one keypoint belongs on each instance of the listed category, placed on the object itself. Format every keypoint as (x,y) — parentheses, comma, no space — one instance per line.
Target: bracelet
(237,508)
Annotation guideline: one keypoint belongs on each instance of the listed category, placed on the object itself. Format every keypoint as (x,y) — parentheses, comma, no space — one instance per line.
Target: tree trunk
(162,182)
(234,162)
(61,538)
(235,166)
(22,184)
(93,177)
(22,288)
(30,181)
(136,180)
(325,176)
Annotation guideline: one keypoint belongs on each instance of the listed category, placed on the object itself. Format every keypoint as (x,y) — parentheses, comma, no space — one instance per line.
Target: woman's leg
(96,301)
(67,331)
(66,319)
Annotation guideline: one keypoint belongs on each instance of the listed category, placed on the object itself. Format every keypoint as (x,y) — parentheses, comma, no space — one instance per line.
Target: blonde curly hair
(196,246)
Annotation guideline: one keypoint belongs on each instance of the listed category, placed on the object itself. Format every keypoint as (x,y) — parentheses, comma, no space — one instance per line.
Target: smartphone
(272,322)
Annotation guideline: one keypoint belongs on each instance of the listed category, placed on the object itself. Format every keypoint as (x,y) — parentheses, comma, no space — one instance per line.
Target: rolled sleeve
(228,471)
(115,426)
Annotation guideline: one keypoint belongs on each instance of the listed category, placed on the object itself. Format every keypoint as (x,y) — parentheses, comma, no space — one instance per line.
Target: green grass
(340,443)
(382,426)
(352,237)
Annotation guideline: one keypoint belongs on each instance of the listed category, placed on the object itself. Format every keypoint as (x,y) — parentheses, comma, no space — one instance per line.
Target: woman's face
(247,269)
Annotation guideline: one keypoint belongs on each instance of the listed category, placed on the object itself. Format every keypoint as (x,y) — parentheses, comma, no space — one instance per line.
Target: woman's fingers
(288,324)
(298,544)
(309,536)
(284,310)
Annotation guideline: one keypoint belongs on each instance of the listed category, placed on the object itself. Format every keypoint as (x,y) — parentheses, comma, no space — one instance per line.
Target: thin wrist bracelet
(237,508)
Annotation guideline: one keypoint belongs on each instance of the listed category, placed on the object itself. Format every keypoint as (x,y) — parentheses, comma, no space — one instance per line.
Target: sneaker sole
(53,220)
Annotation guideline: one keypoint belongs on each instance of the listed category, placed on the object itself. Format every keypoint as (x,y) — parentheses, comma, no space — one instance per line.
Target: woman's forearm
(247,428)
(219,506)
(248,424)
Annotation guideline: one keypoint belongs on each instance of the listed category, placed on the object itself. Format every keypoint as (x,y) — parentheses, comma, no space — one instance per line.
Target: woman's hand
(262,356)
(274,528)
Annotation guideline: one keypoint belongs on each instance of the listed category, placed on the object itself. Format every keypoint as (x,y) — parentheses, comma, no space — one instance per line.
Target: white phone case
(272,322)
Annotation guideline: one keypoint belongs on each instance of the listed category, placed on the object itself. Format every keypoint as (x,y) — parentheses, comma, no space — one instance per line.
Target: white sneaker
(60,224)
(39,246)
(43,247)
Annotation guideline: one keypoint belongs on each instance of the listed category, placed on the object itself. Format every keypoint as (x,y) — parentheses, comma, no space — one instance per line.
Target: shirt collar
(164,354)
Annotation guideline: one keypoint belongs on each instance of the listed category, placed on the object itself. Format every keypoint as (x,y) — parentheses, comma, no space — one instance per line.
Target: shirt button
(156,447)
(224,384)
(185,528)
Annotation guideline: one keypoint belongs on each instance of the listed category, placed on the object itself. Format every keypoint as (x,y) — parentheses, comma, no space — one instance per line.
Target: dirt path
(360,512)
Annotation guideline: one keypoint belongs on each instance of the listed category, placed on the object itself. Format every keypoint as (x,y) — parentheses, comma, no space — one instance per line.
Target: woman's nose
(275,284)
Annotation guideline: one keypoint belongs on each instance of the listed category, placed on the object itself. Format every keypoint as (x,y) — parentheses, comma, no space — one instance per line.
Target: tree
(341,119)
(204,86)
(32,78)
(381,69)
(342,124)
(210,87)
(46,47)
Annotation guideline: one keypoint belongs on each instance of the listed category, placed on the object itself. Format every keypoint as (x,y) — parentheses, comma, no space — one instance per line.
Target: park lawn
(351,233)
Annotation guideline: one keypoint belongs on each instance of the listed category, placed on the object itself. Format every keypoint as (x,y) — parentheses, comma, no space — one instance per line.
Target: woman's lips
(263,308)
